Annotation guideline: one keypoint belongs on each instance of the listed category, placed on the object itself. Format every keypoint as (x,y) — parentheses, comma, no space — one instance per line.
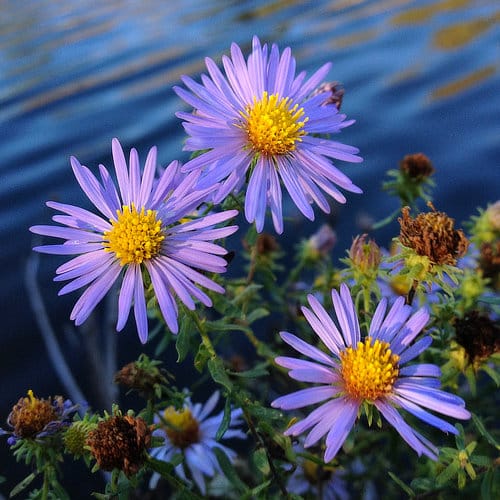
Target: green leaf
(495,376)
(448,473)
(218,372)
(256,314)
(183,340)
(480,460)
(228,470)
(226,420)
(258,489)
(402,485)
(261,462)
(22,485)
(482,430)
(200,360)
(490,485)
(258,370)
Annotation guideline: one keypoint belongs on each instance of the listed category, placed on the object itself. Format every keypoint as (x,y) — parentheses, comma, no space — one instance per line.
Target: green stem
(45,487)
(203,333)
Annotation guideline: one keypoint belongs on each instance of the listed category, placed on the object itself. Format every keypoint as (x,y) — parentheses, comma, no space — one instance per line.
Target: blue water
(418,75)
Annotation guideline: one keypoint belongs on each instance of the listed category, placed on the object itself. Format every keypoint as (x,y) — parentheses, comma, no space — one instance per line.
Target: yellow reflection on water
(463,33)
(423,13)
(464,83)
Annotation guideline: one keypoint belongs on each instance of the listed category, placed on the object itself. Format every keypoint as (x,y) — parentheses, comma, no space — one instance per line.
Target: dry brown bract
(416,166)
(433,235)
(120,443)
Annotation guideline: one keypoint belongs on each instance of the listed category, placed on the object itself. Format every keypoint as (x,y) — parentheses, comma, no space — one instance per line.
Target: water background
(418,75)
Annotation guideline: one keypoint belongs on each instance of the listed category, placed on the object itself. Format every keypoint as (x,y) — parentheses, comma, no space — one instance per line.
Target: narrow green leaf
(261,462)
(22,485)
(448,473)
(226,420)
(480,460)
(256,314)
(495,376)
(402,485)
(228,470)
(201,358)
(482,430)
(258,370)
(218,372)
(258,489)
(183,340)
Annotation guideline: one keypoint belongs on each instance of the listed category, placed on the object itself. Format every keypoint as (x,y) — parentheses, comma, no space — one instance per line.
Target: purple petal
(140,313)
(125,297)
(304,397)
(307,349)
(340,428)
(412,437)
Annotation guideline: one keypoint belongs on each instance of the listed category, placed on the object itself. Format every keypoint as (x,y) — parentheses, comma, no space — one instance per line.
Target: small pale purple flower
(373,370)
(262,122)
(144,229)
(191,431)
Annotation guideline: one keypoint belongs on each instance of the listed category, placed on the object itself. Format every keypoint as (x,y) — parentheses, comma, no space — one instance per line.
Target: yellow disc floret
(135,236)
(181,427)
(369,370)
(273,125)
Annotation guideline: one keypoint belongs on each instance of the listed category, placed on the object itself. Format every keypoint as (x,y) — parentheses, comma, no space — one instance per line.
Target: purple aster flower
(374,370)
(261,121)
(143,230)
(191,431)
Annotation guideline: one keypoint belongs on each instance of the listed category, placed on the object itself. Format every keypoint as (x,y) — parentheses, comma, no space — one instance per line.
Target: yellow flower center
(181,427)
(135,236)
(370,370)
(273,125)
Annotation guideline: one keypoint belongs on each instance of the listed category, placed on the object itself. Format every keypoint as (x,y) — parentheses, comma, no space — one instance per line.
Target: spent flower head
(143,375)
(479,335)
(429,248)
(141,236)
(412,180)
(120,442)
(362,372)
(261,123)
(36,418)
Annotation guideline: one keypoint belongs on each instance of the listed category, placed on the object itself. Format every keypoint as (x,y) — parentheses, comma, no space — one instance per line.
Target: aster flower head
(120,442)
(192,431)
(36,418)
(371,370)
(260,121)
(141,231)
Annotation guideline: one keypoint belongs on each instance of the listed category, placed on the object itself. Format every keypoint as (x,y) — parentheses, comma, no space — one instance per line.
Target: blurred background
(419,76)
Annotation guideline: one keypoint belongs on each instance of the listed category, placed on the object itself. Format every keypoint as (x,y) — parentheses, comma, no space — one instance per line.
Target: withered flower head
(143,376)
(120,443)
(336,93)
(478,335)
(266,244)
(30,415)
(365,254)
(416,166)
(433,235)
(489,262)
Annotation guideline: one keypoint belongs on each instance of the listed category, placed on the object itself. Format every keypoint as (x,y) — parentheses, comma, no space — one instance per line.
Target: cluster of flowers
(255,128)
